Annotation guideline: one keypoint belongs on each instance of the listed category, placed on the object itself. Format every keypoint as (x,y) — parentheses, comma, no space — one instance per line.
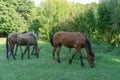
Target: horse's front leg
(16,49)
(24,52)
(33,50)
(80,56)
(21,50)
(74,52)
(28,53)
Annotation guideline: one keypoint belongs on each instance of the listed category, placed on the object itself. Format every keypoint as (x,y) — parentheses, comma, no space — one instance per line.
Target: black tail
(7,46)
(51,39)
(89,47)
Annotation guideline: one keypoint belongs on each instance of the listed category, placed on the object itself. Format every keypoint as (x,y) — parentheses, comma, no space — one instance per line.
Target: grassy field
(107,65)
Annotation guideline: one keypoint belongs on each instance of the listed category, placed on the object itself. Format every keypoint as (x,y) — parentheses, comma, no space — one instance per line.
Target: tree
(15,15)
(10,20)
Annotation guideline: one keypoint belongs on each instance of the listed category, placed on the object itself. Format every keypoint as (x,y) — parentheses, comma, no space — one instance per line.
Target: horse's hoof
(21,58)
(59,61)
(14,58)
(91,66)
(82,65)
(28,57)
(8,58)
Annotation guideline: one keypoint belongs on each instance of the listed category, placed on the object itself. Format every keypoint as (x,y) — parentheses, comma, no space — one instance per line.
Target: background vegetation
(100,22)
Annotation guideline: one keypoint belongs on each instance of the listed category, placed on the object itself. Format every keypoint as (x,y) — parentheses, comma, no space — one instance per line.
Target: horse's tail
(89,47)
(7,47)
(51,39)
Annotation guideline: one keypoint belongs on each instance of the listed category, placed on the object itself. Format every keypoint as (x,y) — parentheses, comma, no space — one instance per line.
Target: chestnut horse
(21,39)
(72,40)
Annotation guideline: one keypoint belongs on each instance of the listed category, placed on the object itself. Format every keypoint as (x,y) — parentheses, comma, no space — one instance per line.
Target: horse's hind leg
(58,54)
(74,52)
(53,54)
(12,49)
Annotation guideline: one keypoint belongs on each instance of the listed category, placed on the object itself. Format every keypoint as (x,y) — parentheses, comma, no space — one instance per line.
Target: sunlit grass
(106,65)
(2,40)
(117,60)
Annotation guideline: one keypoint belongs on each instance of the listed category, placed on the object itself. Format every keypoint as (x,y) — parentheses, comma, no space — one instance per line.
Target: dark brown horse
(72,40)
(34,35)
(22,40)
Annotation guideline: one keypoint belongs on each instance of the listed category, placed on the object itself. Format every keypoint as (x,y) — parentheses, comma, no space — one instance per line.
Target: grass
(107,66)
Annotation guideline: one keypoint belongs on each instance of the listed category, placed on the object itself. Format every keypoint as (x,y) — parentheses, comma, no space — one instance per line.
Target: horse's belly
(69,45)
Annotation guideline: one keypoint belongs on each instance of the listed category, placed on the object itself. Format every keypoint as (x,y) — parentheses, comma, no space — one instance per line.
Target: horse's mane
(89,46)
(34,35)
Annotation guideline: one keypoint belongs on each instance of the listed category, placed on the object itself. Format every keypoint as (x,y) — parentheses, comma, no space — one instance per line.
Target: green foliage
(51,13)
(14,15)
(109,21)
(10,20)
(99,22)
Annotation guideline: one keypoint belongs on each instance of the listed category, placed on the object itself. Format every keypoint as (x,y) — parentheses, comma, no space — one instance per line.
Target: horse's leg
(16,49)
(8,52)
(70,49)
(74,52)
(53,54)
(80,56)
(7,48)
(24,52)
(28,53)
(12,52)
(33,50)
(21,49)
(58,54)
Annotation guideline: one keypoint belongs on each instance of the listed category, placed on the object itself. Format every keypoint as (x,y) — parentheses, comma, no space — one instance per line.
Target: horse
(24,39)
(16,38)
(72,40)
(34,35)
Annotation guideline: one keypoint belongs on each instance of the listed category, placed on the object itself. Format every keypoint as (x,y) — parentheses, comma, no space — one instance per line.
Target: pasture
(107,65)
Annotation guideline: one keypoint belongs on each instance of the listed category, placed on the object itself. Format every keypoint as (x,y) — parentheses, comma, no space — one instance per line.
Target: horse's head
(90,58)
(37,51)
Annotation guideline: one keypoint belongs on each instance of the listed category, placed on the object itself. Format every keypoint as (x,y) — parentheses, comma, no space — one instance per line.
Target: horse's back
(23,39)
(68,39)
(33,34)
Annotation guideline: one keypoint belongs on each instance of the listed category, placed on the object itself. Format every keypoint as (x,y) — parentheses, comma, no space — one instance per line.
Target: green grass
(107,66)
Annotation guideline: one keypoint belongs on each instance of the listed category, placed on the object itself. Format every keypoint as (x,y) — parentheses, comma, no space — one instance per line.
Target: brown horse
(21,39)
(72,40)
(24,39)
(34,35)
